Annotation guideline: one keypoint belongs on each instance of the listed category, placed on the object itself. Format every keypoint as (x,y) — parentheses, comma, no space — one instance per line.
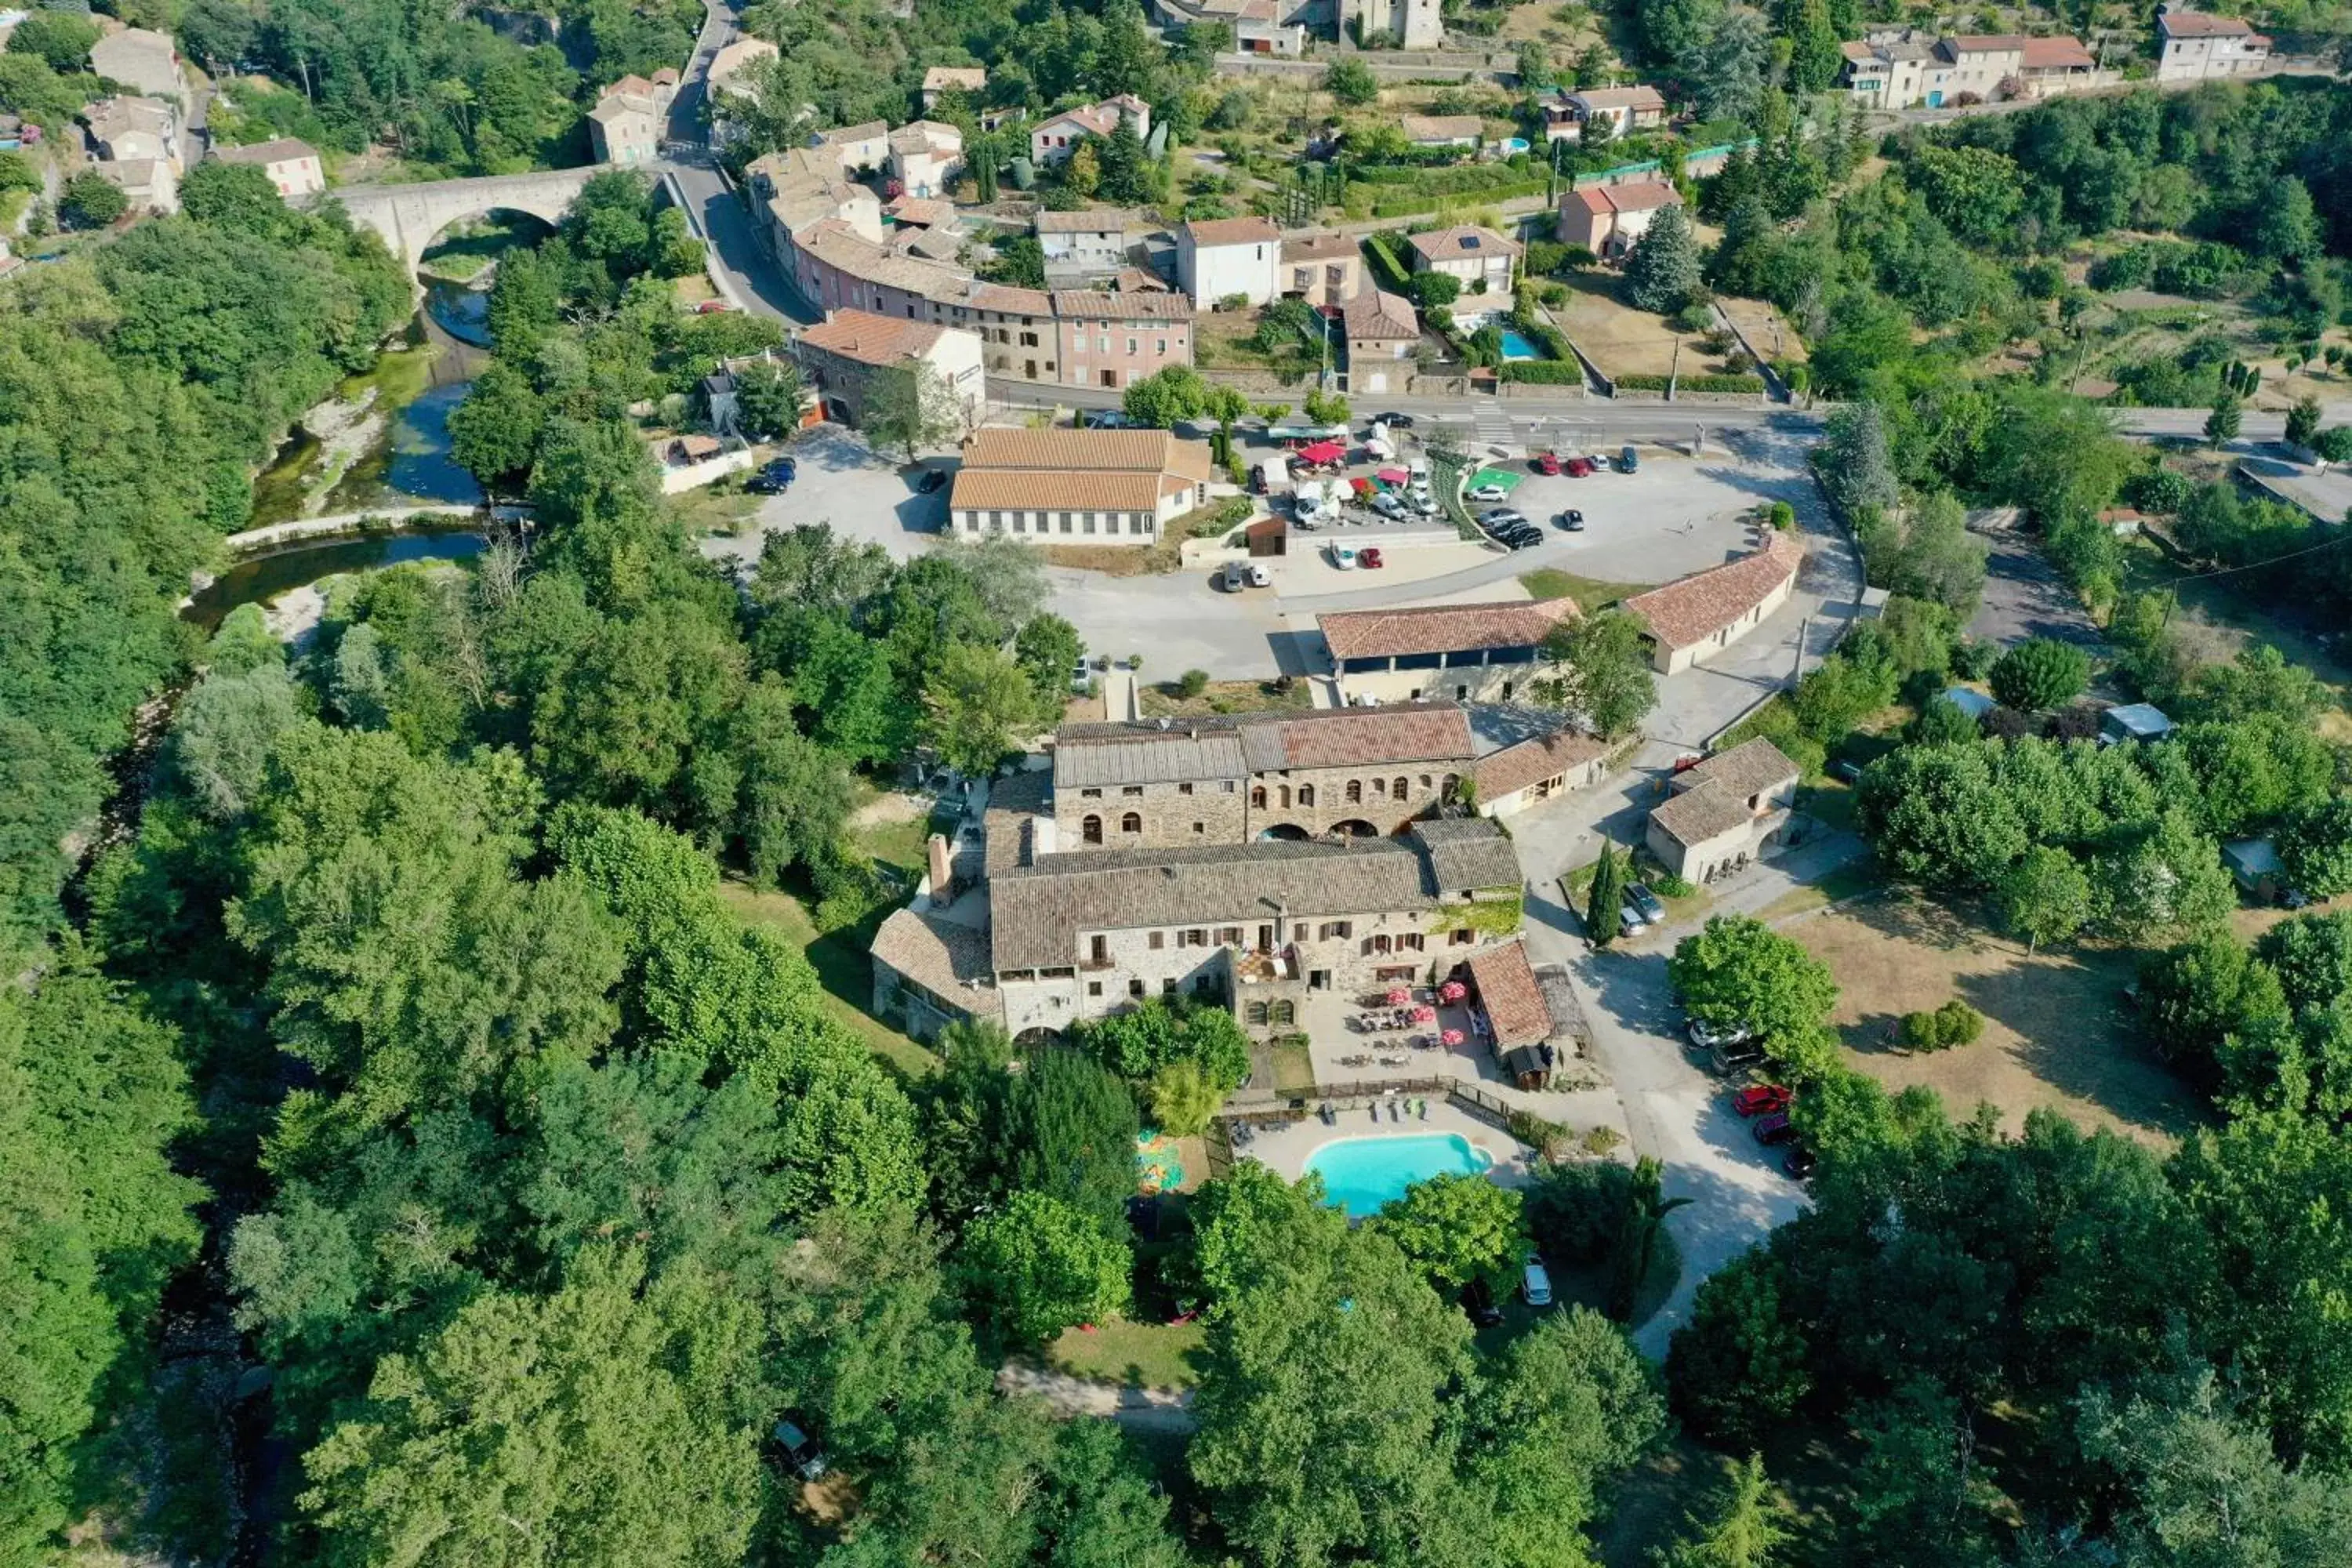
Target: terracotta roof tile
(869,339)
(1097,451)
(1465,241)
(1509,995)
(943,957)
(1530,761)
(1640,98)
(1697,607)
(1749,768)
(1441,628)
(1231,231)
(284,150)
(1318,246)
(1358,737)
(1375,315)
(2198,24)
(2057,54)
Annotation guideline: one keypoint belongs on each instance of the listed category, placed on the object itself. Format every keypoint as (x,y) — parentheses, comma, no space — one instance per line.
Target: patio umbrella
(1453,1037)
(1453,991)
(1425,1015)
(1393,477)
(1399,997)
(1323,452)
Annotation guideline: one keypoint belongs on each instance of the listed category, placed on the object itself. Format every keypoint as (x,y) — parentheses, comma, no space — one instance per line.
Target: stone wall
(1171,816)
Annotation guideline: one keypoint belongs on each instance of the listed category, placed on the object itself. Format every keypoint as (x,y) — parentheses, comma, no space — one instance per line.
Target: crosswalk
(1491,422)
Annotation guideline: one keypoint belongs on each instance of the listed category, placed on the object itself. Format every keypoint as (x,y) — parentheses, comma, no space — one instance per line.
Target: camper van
(1273,476)
(1308,503)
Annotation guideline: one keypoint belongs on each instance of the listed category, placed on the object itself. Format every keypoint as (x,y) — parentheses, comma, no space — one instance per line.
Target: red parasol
(1323,452)
(1399,996)
(1453,1037)
(1393,477)
(1453,991)
(1425,1015)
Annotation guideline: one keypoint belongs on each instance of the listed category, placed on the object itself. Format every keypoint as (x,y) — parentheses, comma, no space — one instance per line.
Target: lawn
(1294,1068)
(1589,592)
(843,967)
(2057,1031)
(1164,701)
(1140,1355)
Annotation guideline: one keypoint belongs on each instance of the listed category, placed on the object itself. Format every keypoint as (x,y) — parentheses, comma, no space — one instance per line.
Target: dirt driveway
(2057,1032)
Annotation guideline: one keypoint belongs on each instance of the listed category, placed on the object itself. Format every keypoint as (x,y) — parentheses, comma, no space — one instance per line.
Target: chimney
(937,853)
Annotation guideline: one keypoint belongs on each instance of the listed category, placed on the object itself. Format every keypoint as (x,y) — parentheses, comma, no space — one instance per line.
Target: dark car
(776,479)
(1478,1301)
(1402,421)
(1520,539)
(932,480)
(1799,1162)
(1571,519)
(1774,1129)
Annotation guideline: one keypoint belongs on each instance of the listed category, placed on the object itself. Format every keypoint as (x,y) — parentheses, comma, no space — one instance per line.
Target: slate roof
(1441,628)
(1694,608)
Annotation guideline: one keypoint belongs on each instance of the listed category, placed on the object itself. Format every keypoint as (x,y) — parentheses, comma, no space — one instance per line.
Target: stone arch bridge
(410,217)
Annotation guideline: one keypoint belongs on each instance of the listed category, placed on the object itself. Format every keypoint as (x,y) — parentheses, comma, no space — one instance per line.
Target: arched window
(1284,1014)
(1452,781)
(1286,798)
(1090,830)
(1131,823)
(1307,795)
(1257,797)
(1398,788)
(1355,791)
(1380,786)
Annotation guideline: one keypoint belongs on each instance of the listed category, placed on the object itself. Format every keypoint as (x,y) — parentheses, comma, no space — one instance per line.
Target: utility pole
(1804,629)
(1674,370)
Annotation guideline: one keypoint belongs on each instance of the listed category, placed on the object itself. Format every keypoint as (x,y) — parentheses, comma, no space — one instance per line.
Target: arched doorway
(1354,827)
(1285,832)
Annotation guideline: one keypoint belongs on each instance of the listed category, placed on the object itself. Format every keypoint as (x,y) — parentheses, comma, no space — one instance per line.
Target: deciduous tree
(1040,1265)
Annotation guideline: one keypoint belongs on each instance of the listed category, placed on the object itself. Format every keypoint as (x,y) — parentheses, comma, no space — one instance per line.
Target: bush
(1544,371)
(1669,886)
(1953,1023)
(1192,682)
(1643,382)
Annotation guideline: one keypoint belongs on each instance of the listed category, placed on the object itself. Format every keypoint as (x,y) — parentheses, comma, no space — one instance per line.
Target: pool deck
(1287,1150)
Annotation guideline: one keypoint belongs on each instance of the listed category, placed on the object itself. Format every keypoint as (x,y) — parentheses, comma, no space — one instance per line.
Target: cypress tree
(1608,892)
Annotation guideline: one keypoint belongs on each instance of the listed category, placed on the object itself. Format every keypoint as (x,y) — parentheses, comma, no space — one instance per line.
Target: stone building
(1360,773)
(1699,616)
(1723,811)
(1469,653)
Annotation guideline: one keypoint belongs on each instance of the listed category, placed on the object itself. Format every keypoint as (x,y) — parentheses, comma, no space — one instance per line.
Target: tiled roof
(1318,246)
(1530,761)
(1695,816)
(927,135)
(928,211)
(1231,231)
(1356,737)
(1020,489)
(2057,54)
(1860,53)
(1441,628)
(1695,608)
(1014,804)
(1633,97)
(871,130)
(1087,451)
(1087,220)
(1749,768)
(616,105)
(1038,913)
(1101,118)
(1466,241)
(1643,195)
(1375,315)
(1467,853)
(1440,126)
(1006,299)
(112,117)
(944,957)
(2198,24)
(284,150)
(1984,44)
(735,57)
(1510,996)
(1092,305)
(869,339)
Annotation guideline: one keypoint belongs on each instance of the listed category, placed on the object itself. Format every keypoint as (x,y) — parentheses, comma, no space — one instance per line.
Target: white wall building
(1221,257)
(2196,45)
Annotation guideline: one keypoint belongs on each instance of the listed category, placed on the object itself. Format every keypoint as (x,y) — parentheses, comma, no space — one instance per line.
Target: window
(1283,1012)
(1064,517)
(1409,940)
(1229,936)
(1130,348)
(1355,791)
(1159,941)
(1424,780)
(1257,796)
(1337,930)
(1258,1015)
(1460,936)
(1135,988)
(1163,348)
(1307,795)
(1090,830)
(1094,987)
(1130,790)
(1231,785)
(1131,823)
(1286,798)
(1194,936)
(1200,828)
(1203,985)
(1380,787)
(1167,986)
(1099,950)
(1397,789)
(1091,795)
(1028,339)
(1184,788)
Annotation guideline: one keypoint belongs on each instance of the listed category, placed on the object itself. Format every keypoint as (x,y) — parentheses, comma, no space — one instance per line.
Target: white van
(1419,469)
(1536,1284)
(1308,504)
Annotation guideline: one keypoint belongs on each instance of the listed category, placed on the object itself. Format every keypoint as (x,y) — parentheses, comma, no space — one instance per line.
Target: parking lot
(861,492)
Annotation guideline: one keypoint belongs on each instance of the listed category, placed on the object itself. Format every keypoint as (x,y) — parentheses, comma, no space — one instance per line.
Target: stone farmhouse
(1723,811)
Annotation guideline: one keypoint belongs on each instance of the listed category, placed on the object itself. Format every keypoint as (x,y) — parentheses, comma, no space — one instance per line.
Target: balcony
(1256,966)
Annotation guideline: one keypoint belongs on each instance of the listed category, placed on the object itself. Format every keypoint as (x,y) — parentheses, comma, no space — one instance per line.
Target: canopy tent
(1322,452)
(1393,477)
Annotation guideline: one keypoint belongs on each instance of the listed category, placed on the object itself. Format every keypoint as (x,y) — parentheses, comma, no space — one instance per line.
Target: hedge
(1385,262)
(1410,206)
(1692,384)
(1546,371)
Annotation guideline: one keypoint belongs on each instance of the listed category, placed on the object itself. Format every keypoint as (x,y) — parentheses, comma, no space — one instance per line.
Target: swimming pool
(1363,1175)
(1515,345)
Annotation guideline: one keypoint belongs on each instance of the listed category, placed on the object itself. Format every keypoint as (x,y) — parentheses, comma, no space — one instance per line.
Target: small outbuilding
(2133,722)
(2254,865)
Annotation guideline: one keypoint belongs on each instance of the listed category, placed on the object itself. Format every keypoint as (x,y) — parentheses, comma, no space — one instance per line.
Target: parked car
(1519,538)
(1535,1282)
(1572,520)
(1800,1161)
(1402,421)
(799,1451)
(1389,506)
(1773,1129)
(1579,467)
(1760,1100)
(1728,1059)
(1343,556)
(713,308)
(1109,419)
(1630,921)
(1849,773)
(1707,1036)
(1478,1301)
(775,478)
(1639,895)
(1546,463)
(1369,558)
(1628,459)
(1423,503)
(1081,679)
(1489,491)
(1234,577)
(1495,514)
(1259,576)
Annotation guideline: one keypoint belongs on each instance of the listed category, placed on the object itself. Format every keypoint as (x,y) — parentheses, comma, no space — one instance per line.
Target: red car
(1760,1100)
(1773,1129)
(1369,559)
(1579,467)
(1546,463)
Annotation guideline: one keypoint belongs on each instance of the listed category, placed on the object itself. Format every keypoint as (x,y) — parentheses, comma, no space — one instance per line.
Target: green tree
(1974,190)
(494,432)
(909,407)
(235,195)
(222,736)
(1642,1223)
(1856,464)
(2039,674)
(1604,897)
(978,704)
(1814,59)
(1735,970)
(1137,1043)
(1047,648)
(609,1417)
(61,38)
(769,399)
(1040,1265)
(1184,1100)
(1941,723)
(1249,1223)
(2222,424)
(1600,670)
(1455,1228)
(2168,878)
(2045,897)
(2302,421)
(1166,398)
(1745,1525)
(90,200)
(1737,1369)
(1068,1129)
(2315,847)
(1351,82)
(1662,271)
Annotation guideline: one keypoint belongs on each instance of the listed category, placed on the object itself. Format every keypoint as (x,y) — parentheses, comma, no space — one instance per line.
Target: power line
(2258,565)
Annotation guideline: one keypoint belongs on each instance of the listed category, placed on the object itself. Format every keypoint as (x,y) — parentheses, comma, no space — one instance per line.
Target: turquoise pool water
(1517,346)
(1363,1175)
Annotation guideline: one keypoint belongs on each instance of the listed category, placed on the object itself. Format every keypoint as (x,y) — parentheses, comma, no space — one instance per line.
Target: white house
(626,126)
(2196,45)
(925,156)
(1055,137)
(135,129)
(1479,258)
(1607,219)
(1219,258)
(1622,109)
(841,354)
(292,166)
(1077,487)
(1082,247)
(1401,24)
